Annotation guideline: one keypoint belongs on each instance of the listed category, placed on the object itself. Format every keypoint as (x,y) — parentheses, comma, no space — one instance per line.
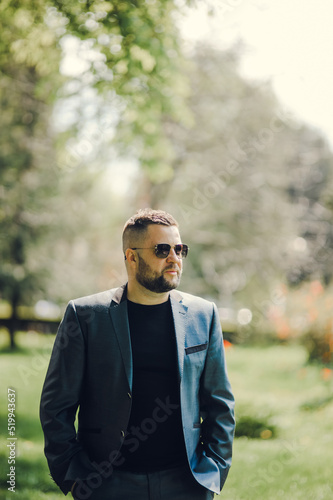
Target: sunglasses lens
(183,250)
(162,250)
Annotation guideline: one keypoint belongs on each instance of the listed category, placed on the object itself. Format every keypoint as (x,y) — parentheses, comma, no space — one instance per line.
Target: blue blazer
(91,370)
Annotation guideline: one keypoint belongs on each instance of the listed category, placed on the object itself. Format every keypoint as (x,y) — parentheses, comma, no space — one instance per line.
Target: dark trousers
(171,484)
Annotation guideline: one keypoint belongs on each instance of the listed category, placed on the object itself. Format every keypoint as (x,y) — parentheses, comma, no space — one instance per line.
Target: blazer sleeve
(59,403)
(217,403)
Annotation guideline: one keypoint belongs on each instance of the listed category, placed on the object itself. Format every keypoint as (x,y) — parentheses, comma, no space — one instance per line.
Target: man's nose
(173,257)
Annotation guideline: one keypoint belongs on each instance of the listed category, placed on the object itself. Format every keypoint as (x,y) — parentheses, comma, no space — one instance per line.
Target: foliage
(28,75)
(252,427)
(245,180)
(83,253)
(305,314)
(317,404)
(319,344)
(131,50)
(310,179)
(234,172)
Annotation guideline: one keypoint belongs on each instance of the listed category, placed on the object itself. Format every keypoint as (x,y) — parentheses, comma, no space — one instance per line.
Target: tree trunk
(13,319)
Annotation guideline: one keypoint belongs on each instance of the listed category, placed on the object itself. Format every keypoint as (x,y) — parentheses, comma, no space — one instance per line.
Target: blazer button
(122,433)
(129,395)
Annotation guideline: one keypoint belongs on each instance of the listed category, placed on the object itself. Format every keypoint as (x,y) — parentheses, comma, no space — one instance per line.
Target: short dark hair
(136,226)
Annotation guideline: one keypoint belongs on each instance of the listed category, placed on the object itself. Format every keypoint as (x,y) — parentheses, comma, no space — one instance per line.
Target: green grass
(24,371)
(271,383)
(298,463)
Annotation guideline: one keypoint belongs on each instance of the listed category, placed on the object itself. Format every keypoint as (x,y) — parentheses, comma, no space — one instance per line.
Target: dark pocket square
(196,348)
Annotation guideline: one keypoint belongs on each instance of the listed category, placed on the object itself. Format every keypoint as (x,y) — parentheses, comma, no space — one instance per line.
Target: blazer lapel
(119,317)
(179,311)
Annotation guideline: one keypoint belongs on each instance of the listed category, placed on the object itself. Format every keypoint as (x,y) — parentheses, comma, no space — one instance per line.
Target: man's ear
(130,256)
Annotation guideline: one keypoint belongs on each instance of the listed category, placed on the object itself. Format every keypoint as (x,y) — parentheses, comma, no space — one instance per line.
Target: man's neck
(142,295)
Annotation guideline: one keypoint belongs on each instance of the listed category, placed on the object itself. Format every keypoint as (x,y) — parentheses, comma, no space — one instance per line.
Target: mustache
(172,268)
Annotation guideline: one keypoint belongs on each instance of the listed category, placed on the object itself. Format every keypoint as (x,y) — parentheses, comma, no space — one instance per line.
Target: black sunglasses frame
(181,250)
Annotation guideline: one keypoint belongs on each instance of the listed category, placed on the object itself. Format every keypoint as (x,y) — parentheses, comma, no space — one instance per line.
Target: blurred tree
(28,78)
(83,253)
(230,166)
(131,50)
(309,188)
(128,80)
(130,55)
(228,194)
(231,192)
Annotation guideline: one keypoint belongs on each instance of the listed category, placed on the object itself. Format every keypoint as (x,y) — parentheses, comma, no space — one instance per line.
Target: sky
(288,42)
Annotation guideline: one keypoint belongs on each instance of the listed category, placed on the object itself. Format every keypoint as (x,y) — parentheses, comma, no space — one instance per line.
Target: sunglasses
(162,250)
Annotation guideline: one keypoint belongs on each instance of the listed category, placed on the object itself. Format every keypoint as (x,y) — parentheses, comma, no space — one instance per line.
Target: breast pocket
(195,357)
(196,348)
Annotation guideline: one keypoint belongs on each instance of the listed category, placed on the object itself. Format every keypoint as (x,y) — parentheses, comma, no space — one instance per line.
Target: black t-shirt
(154,439)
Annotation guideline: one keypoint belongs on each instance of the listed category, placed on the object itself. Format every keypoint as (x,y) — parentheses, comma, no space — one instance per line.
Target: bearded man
(142,367)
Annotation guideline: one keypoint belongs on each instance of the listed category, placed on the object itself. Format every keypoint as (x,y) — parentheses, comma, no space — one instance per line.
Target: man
(145,365)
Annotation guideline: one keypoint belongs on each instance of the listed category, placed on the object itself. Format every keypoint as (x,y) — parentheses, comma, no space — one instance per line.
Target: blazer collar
(120,295)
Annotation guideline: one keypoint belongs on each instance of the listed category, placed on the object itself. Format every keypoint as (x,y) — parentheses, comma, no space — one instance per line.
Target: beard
(154,281)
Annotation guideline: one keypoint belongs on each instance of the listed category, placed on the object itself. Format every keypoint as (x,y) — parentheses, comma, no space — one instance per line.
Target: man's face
(159,275)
